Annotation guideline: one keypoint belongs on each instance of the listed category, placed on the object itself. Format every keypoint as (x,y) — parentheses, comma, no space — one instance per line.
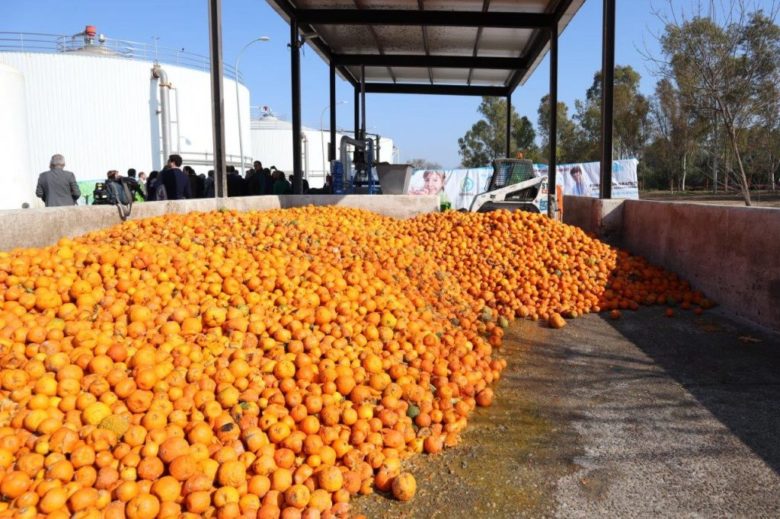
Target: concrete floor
(645,416)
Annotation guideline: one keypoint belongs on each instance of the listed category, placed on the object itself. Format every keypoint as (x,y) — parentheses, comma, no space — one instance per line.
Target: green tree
(630,117)
(486,140)
(677,131)
(728,72)
(567,144)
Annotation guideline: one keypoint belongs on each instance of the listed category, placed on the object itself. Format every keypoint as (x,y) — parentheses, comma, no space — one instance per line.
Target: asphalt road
(645,416)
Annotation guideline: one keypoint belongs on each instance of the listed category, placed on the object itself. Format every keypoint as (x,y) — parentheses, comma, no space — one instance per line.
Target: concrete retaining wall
(41,227)
(732,254)
(604,218)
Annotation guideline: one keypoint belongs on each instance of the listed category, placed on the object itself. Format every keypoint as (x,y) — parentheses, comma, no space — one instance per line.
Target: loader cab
(514,186)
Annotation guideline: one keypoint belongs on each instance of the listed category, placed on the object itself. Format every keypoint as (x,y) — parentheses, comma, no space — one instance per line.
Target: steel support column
(357,110)
(607,97)
(553,137)
(295,77)
(508,126)
(362,102)
(332,146)
(217,100)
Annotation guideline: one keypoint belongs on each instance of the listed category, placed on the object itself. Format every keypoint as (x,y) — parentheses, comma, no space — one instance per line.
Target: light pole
(322,136)
(238,103)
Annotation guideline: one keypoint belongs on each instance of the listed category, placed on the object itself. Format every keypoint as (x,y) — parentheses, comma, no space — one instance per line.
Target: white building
(105,104)
(272,145)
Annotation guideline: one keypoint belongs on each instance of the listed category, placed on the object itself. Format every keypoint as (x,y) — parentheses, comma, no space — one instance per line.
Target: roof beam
(537,47)
(485,7)
(425,41)
(320,45)
(511,20)
(378,43)
(540,40)
(455,90)
(420,60)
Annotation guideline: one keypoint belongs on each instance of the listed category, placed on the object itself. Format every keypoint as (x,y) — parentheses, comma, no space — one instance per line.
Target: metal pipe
(238,114)
(509,126)
(295,77)
(332,144)
(305,155)
(238,101)
(552,189)
(217,101)
(607,97)
(365,144)
(165,109)
(178,125)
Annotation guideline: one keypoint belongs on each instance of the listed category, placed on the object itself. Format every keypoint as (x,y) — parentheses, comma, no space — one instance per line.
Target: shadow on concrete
(730,368)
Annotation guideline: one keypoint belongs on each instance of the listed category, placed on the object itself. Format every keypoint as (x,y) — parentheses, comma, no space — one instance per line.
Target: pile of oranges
(271,364)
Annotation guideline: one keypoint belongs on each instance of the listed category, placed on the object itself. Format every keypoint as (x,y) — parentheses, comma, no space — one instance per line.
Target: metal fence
(133,50)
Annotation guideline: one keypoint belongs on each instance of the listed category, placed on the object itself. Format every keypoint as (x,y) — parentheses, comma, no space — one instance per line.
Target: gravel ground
(645,416)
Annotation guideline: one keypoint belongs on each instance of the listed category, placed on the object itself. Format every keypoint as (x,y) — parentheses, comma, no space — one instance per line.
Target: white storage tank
(19,180)
(100,103)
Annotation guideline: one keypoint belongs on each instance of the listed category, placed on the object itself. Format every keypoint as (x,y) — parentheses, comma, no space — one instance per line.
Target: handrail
(109,47)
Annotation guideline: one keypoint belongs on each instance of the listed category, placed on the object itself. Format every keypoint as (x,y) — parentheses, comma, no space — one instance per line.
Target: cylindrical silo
(18,179)
(101,106)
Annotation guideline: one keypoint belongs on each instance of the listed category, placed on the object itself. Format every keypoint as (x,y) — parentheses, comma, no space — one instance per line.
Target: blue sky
(421,126)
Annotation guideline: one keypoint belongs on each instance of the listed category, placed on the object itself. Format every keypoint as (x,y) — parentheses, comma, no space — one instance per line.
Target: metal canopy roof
(461,47)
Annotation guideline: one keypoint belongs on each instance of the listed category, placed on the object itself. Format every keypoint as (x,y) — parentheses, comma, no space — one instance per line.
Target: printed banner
(460,186)
(584,179)
(456,186)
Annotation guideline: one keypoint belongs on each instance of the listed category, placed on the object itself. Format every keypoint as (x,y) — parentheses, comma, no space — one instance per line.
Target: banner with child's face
(456,186)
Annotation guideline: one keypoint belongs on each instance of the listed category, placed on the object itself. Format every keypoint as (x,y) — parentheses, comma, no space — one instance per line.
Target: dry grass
(759,198)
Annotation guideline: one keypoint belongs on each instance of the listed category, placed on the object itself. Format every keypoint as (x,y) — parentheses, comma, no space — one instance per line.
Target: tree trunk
(742,177)
(685,171)
(715,159)
(715,172)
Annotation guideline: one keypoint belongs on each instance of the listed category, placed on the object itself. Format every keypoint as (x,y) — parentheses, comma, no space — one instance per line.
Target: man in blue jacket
(177,184)
(57,187)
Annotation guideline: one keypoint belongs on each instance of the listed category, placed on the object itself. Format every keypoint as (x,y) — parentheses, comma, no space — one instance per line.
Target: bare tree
(723,69)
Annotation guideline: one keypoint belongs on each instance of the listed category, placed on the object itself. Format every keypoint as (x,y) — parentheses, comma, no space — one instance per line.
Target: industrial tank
(102,104)
(19,180)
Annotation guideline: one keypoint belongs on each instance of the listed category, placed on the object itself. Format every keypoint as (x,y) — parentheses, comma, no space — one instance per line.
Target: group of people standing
(260,181)
(58,187)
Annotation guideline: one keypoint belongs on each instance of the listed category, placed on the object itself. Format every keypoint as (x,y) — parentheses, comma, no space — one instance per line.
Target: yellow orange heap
(256,364)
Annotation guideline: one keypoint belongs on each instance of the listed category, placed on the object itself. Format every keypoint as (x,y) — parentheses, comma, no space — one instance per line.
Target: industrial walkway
(642,417)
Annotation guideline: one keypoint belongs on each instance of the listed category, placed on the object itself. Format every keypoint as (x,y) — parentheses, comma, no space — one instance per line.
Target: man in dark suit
(177,184)
(57,187)
(236,185)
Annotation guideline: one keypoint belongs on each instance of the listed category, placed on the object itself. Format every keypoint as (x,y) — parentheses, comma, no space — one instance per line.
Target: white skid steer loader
(514,186)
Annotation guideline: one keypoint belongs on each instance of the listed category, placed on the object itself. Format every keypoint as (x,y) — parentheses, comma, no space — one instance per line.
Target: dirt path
(645,416)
